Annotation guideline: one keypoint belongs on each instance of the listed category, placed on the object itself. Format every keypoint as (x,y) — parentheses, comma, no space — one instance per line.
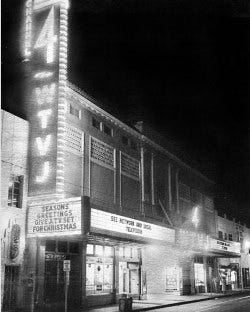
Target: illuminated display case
(99,269)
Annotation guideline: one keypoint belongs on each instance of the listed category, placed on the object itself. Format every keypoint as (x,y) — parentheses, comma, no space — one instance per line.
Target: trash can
(125,304)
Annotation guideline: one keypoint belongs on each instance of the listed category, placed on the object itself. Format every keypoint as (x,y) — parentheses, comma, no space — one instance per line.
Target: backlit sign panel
(55,218)
(46,43)
(132,227)
(227,246)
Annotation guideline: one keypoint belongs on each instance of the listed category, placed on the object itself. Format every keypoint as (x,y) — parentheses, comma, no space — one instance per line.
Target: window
(15,191)
(99,270)
(108,251)
(225,236)
(73,140)
(99,250)
(230,237)
(107,130)
(96,123)
(102,152)
(129,166)
(50,245)
(90,249)
(73,247)
(220,235)
(74,111)
(62,246)
(124,140)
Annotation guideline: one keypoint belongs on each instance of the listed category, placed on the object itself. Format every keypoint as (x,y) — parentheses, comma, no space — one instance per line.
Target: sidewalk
(165,299)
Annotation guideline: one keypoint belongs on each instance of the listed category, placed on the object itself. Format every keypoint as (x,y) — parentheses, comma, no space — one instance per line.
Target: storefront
(228,255)
(106,253)
(119,259)
(54,234)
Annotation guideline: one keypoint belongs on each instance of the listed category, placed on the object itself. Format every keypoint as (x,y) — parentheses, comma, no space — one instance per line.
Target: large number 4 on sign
(47,38)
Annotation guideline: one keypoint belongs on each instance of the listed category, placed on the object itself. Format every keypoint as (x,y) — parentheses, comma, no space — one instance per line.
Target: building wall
(14,146)
(155,194)
(155,261)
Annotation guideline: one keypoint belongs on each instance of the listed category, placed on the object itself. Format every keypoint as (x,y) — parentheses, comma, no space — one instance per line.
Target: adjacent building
(14,173)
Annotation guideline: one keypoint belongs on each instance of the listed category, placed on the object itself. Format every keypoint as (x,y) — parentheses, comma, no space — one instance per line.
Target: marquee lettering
(46,37)
(28,28)
(45,95)
(45,173)
(45,33)
(43,145)
(44,116)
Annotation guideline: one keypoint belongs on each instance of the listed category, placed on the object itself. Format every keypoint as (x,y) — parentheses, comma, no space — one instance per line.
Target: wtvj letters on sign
(46,94)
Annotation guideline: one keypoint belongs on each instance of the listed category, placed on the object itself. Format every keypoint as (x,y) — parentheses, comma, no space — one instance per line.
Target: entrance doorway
(129,278)
(245,277)
(54,276)
(199,273)
(11,279)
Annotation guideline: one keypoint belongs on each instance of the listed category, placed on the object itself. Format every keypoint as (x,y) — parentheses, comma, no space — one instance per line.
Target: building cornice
(89,103)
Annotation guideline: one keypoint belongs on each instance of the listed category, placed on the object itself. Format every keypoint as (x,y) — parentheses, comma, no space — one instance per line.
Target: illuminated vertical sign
(46,48)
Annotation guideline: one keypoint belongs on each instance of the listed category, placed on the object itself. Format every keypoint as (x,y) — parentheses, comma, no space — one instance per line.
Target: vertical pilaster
(86,166)
(152,179)
(206,273)
(62,104)
(177,190)
(169,187)
(83,266)
(116,272)
(142,180)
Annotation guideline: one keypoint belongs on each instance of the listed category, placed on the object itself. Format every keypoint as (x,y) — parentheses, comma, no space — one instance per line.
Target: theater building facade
(133,218)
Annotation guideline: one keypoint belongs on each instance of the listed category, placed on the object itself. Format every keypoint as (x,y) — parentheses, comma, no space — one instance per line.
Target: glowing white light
(44,115)
(28,25)
(45,173)
(43,75)
(45,95)
(46,37)
(43,145)
(195,218)
(247,244)
(39,4)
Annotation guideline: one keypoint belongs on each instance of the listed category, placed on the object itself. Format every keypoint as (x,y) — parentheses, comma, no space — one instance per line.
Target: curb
(187,302)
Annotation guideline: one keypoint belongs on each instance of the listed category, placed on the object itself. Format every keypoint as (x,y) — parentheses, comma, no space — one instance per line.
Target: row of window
(62,246)
(225,236)
(104,154)
(101,126)
(109,131)
(108,251)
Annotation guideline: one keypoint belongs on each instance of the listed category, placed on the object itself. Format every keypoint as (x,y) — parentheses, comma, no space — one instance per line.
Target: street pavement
(229,304)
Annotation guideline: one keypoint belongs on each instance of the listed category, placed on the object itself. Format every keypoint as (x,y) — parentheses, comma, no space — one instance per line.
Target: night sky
(182,66)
